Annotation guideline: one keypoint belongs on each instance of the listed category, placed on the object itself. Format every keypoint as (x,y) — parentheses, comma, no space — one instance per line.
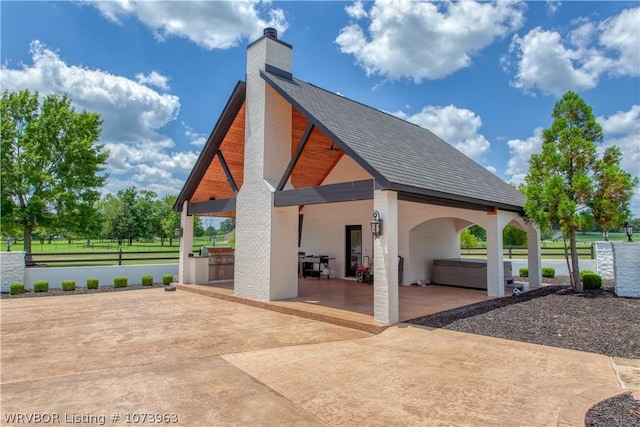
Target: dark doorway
(353,249)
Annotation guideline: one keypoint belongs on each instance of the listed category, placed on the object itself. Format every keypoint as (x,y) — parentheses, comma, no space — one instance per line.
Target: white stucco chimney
(266,237)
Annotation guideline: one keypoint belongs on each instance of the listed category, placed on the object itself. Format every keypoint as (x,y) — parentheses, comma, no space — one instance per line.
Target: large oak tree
(569,177)
(52,164)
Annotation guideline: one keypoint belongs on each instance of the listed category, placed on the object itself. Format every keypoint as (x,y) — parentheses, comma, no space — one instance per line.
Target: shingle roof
(400,155)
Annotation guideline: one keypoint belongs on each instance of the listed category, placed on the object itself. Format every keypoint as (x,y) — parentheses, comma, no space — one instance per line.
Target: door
(353,249)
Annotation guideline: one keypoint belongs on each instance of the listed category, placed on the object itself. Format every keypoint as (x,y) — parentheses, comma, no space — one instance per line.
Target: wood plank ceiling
(315,163)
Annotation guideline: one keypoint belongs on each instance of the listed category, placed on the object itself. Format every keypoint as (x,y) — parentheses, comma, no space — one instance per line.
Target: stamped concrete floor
(213,362)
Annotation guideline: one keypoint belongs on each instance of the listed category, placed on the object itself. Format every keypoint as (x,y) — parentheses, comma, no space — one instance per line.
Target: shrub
(548,272)
(68,285)
(591,281)
(167,279)
(40,286)
(582,274)
(120,282)
(92,283)
(16,288)
(147,280)
(523,272)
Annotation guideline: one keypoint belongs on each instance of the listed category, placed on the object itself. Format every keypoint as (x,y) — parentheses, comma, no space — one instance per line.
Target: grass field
(106,252)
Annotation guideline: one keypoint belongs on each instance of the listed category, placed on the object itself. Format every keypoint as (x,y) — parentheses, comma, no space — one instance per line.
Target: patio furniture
(316,266)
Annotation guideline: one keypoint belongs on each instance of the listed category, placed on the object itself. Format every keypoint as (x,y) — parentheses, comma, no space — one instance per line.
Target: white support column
(385,259)
(534,257)
(495,258)
(186,246)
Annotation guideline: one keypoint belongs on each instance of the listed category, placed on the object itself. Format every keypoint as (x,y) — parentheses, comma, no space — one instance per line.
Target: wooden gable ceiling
(315,163)
(317,159)
(214,184)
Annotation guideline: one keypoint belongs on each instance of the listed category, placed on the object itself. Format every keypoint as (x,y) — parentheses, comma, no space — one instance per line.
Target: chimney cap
(270,32)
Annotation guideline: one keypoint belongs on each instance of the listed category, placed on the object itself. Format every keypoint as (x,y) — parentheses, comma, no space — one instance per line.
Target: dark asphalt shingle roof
(400,155)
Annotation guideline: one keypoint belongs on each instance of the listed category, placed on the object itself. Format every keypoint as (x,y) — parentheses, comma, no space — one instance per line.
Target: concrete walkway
(212,362)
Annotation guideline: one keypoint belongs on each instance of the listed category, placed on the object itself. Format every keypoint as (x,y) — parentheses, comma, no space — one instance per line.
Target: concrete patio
(350,303)
(213,362)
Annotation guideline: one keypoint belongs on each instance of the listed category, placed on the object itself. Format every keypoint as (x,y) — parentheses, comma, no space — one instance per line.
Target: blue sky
(483,76)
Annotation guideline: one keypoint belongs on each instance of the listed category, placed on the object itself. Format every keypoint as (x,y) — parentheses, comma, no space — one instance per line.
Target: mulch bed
(78,291)
(595,321)
(622,410)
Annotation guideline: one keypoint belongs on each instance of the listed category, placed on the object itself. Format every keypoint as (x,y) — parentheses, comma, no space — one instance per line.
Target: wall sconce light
(376,225)
(628,229)
(178,232)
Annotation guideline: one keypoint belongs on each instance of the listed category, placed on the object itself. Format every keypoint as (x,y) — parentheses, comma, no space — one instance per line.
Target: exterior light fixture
(628,229)
(376,225)
(178,232)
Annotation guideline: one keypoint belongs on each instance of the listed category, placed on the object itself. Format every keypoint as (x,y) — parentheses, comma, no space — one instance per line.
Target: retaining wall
(559,265)
(104,273)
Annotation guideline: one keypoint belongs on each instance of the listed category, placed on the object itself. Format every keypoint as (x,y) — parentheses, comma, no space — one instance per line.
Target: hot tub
(465,272)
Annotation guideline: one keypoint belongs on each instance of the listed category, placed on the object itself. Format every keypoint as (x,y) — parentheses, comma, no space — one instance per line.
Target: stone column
(385,259)
(11,269)
(186,246)
(626,266)
(495,258)
(604,260)
(534,257)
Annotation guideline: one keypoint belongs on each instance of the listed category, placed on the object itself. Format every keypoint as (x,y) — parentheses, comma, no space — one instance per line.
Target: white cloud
(154,79)
(553,6)
(209,24)
(553,64)
(622,35)
(458,126)
(520,152)
(424,40)
(195,138)
(623,130)
(132,113)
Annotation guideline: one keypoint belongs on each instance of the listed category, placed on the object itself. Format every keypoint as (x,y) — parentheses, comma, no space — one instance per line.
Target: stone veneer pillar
(604,260)
(626,266)
(266,256)
(11,269)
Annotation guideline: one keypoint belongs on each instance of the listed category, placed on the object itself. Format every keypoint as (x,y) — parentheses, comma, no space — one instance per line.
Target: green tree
(563,180)
(479,232)
(613,191)
(169,219)
(467,239)
(513,236)
(587,222)
(52,165)
(227,226)
(146,222)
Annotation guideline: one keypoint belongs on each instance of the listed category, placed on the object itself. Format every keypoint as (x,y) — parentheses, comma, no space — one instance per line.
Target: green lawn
(52,254)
